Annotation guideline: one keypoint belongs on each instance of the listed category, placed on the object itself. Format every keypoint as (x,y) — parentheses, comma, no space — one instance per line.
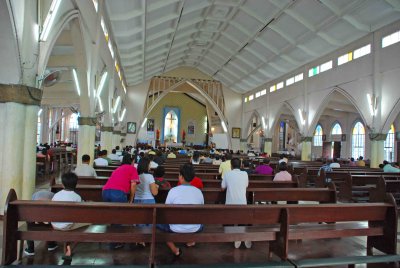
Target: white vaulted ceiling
(241,43)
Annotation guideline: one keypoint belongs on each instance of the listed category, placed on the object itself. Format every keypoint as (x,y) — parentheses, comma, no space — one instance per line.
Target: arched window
(389,145)
(318,136)
(39,130)
(171,127)
(337,129)
(73,122)
(358,140)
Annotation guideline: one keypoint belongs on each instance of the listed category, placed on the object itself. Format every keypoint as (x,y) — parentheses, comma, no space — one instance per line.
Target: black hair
(143,165)
(85,158)
(281,156)
(127,159)
(235,163)
(114,151)
(228,156)
(385,162)
(360,158)
(282,166)
(246,163)
(196,156)
(266,161)
(69,180)
(117,147)
(352,159)
(187,172)
(104,152)
(159,172)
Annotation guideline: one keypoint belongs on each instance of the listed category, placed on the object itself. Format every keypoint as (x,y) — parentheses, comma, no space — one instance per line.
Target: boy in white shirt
(85,169)
(68,194)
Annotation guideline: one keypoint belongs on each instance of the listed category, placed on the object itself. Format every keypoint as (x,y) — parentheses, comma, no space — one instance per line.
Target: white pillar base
(306,149)
(86,142)
(17,150)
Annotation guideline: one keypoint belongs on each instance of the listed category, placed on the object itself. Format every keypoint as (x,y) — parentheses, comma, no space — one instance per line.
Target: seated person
(246,167)
(153,164)
(360,162)
(195,159)
(265,168)
(387,167)
(184,194)
(283,175)
(43,195)
(335,163)
(159,178)
(113,156)
(68,194)
(217,161)
(85,169)
(105,156)
(326,167)
(207,159)
(352,163)
(282,158)
(100,161)
(171,155)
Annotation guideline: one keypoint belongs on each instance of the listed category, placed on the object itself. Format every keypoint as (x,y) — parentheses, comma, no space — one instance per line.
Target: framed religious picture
(150,125)
(236,132)
(131,128)
(190,130)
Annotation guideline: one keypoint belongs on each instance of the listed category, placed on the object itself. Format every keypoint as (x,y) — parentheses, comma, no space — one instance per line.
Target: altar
(174,144)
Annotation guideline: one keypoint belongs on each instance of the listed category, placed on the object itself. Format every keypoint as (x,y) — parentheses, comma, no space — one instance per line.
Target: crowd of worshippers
(136,181)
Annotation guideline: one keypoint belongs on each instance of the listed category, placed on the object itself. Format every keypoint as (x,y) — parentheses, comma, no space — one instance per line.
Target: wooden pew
(376,221)
(321,195)
(99,231)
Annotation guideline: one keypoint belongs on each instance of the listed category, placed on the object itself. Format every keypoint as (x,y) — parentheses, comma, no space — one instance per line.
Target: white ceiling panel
(223,38)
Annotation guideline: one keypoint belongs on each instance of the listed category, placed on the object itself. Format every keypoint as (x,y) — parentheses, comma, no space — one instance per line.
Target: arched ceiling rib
(242,43)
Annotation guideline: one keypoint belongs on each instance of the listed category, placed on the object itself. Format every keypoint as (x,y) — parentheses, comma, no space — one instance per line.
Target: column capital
(267,139)
(377,136)
(20,94)
(117,132)
(123,134)
(243,140)
(87,121)
(107,129)
(306,139)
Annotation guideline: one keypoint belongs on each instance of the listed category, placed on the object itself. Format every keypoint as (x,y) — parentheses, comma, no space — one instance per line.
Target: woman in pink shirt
(283,175)
(122,183)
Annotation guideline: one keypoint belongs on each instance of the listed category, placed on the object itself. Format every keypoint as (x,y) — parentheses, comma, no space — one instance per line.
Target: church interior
(315,81)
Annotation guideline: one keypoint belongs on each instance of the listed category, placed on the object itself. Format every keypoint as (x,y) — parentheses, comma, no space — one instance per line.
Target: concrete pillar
(106,139)
(243,145)
(86,137)
(116,139)
(19,106)
(306,148)
(123,139)
(377,148)
(268,145)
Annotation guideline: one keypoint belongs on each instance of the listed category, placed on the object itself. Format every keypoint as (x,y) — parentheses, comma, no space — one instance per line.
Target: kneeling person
(184,194)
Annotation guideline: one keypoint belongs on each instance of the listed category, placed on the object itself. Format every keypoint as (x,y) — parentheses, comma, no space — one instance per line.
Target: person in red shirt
(196,182)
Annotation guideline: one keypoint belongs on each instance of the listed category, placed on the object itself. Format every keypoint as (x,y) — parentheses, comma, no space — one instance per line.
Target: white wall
(379,69)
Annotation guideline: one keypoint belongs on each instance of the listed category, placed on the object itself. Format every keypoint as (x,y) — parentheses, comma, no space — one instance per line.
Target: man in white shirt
(184,194)
(85,169)
(113,156)
(335,163)
(100,161)
(235,182)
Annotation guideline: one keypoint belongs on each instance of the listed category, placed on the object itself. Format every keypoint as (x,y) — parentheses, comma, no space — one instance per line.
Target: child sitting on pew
(42,195)
(159,178)
(69,181)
